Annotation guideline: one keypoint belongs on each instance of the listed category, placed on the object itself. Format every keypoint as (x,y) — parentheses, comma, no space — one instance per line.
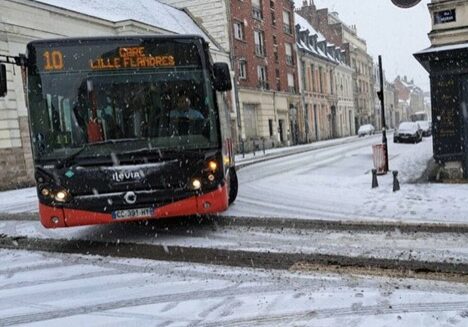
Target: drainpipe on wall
(227,3)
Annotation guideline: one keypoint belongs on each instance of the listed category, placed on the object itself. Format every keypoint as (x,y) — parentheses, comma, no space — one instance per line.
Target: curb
(296,223)
(237,258)
(342,225)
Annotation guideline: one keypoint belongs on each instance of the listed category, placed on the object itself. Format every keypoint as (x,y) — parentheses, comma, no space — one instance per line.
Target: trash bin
(378,154)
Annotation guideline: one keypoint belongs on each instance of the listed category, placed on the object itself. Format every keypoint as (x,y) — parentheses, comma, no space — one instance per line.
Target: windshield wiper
(68,160)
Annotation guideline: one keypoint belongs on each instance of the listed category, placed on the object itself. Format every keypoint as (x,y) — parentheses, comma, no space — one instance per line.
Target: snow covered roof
(329,51)
(444,48)
(150,12)
(305,26)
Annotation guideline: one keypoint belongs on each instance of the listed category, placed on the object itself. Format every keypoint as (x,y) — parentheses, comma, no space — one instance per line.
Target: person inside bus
(111,128)
(184,118)
(185,110)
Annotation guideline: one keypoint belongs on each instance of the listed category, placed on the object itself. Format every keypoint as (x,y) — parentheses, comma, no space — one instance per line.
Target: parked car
(367,129)
(426,127)
(408,132)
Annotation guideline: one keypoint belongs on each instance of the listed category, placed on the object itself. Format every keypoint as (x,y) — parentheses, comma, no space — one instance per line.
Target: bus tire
(233,185)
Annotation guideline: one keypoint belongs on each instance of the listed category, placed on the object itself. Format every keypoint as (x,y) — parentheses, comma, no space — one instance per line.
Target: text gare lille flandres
(133,57)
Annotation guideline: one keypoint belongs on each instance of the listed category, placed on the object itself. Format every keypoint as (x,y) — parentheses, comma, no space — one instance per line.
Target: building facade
(410,96)
(261,40)
(25,20)
(447,63)
(392,115)
(346,37)
(326,86)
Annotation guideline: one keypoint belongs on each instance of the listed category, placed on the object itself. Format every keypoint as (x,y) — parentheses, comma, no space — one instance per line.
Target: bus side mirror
(3,81)
(222,77)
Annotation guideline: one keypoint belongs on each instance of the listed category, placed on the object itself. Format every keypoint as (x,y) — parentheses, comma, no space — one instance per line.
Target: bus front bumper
(208,203)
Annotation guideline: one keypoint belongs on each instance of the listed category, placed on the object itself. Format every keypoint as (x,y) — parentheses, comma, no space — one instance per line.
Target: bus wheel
(233,185)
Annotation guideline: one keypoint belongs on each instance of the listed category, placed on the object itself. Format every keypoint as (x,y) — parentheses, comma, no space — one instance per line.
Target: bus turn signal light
(213,165)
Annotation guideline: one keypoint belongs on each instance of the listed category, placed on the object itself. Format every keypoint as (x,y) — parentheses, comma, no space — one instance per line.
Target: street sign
(406,3)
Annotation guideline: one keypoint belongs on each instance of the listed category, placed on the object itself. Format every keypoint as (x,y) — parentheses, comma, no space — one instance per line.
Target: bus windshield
(162,108)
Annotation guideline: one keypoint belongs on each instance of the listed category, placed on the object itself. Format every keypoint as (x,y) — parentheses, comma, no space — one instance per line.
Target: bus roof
(74,40)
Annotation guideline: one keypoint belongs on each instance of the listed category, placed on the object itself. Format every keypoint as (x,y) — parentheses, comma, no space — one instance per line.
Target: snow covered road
(331,181)
(335,183)
(40,289)
(436,251)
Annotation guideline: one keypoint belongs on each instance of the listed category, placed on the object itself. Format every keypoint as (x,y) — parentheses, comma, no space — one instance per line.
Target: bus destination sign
(109,56)
(132,57)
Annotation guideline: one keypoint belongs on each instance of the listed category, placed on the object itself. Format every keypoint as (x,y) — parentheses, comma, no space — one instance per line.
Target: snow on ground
(16,201)
(392,245)
(331,182)
(335,183)
(55,290)
(273,152)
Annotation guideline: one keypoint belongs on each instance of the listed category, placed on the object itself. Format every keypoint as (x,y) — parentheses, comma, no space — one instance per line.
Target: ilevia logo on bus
(124,176)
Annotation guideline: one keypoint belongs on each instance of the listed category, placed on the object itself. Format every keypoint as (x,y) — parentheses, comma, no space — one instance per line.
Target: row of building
(299,74)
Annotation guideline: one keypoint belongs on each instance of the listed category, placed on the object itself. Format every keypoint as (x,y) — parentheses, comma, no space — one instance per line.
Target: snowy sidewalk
(335,184)
(259,156)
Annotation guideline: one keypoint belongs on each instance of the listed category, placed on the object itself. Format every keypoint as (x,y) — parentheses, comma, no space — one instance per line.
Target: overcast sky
(393,32)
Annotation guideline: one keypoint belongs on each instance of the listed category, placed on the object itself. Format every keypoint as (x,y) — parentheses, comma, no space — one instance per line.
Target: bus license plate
(133,213)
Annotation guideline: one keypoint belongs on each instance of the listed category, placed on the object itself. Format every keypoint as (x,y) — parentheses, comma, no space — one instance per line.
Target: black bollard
(375,183)
(243,149)
(396,183)
(254,145)
(263,144)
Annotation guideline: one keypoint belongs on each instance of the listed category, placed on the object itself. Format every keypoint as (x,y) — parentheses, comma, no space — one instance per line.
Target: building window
(287,22)
(239,31)
(273,18)
(289,54)
(262,77)
(257,9)
(312,78)
(259,37)
(270,126)
(242,69)
(320,80)
(291,84)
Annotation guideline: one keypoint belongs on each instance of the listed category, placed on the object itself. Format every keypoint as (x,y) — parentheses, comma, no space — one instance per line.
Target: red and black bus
(128,128)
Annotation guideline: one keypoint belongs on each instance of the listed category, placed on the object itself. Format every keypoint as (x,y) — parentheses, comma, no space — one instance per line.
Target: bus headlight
(61,196)
(196,184)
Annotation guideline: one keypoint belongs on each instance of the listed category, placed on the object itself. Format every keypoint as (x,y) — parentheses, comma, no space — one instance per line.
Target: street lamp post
(382,106)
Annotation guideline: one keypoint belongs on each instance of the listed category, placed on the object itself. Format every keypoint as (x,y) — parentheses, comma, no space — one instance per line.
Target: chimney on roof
(335,14)
(405,79)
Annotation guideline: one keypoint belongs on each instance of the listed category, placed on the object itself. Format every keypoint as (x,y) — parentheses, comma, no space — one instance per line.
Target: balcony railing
(289,60)
(287,28)
(292,89)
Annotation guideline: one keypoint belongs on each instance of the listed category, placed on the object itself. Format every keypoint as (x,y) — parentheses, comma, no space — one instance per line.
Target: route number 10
(53,60)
